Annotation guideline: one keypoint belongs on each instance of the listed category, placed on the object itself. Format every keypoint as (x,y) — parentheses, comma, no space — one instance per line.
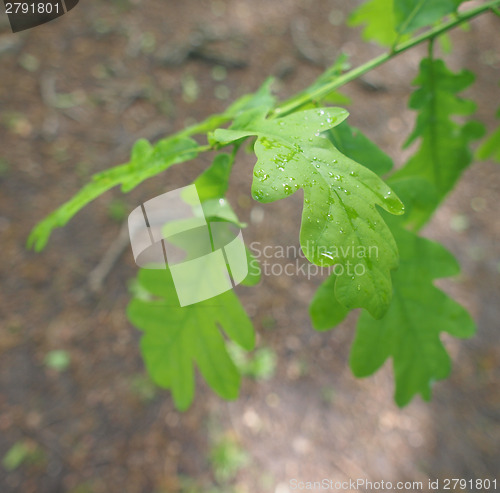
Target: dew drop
(258,194)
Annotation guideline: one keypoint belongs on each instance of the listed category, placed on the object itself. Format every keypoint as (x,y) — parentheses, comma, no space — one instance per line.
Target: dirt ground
(74,96)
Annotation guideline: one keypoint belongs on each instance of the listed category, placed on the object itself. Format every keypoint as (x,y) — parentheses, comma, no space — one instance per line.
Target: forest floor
(74,96)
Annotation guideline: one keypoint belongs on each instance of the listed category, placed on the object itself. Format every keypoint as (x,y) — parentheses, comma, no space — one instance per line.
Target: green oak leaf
(414,14)
(326,312)
(340,223)
(175,338)
(444,150)
(409,332)
(379,20)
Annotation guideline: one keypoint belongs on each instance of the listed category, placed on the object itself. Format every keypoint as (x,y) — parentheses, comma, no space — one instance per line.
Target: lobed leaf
(409,332)
(340,224)
(175,338)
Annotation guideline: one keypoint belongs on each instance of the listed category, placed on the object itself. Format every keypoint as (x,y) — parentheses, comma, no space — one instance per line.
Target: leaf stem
(292,105)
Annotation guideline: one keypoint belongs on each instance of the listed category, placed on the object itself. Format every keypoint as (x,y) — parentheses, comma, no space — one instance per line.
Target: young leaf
(414,14)
(378,18)
(410,330)
(174,338)
(146,161)
(490,148)
(339,220)
(444,150)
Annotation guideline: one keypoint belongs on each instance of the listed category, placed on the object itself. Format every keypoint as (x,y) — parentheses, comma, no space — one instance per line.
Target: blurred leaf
(410,330)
